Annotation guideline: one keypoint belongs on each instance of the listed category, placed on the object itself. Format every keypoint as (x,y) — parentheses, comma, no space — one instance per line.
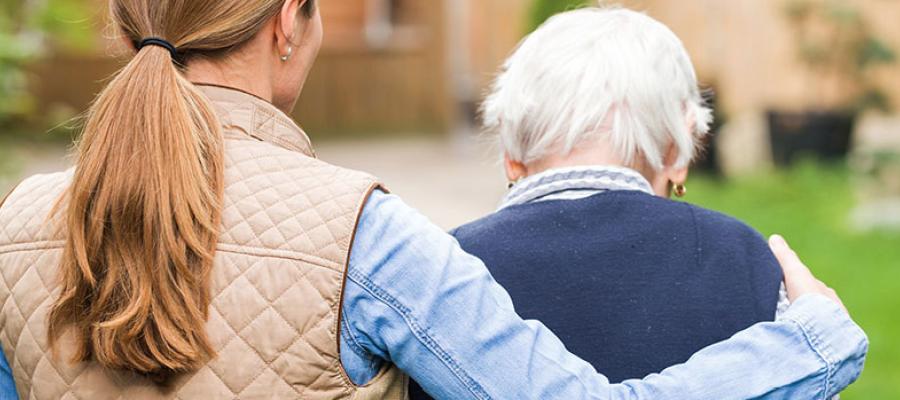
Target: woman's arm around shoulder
(415,299)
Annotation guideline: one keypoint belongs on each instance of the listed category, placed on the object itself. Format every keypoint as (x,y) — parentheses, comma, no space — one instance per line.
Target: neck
(584,156)
(595,155)
(255,80)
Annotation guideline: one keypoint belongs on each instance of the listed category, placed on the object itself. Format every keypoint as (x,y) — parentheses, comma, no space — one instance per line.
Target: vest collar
(245,114)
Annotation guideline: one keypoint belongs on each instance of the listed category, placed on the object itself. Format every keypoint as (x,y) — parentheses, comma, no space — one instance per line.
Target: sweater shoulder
(714,230)
(710,224)
(718,226)
(725,239)
(492,223)
(715,222)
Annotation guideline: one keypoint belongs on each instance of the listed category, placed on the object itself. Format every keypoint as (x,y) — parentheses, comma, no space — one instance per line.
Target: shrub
(541,10)
(28,31)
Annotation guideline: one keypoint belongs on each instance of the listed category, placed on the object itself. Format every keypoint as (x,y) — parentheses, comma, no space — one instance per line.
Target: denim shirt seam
(815,343)
(420,333)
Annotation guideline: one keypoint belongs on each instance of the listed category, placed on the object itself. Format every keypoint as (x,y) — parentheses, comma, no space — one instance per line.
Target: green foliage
(835,43)
(542,10)
(28,31)
(810,205)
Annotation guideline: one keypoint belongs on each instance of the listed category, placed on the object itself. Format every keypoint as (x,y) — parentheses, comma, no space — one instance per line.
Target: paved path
(22,159)
(448,181)
(451,182)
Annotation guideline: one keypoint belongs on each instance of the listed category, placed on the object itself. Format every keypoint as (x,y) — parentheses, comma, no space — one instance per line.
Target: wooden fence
(354,88)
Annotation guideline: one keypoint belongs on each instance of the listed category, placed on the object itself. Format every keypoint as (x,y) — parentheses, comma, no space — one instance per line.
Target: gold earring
(290,52)
(679,189)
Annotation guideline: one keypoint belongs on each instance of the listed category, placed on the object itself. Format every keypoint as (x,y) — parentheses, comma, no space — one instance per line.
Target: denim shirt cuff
(831,333)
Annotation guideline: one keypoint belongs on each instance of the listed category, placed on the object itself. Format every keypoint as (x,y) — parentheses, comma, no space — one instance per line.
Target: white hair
(599,73)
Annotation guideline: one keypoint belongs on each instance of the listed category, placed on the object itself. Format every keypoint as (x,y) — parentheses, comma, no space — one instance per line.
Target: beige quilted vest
(289,222)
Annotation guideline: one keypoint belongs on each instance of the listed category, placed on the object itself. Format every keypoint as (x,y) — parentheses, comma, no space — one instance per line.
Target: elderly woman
(599,116)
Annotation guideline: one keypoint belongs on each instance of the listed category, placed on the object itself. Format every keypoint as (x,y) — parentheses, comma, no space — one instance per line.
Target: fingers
(798,279)
(789,260)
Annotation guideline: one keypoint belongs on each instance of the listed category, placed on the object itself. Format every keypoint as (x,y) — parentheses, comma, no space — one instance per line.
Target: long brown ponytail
(144,207)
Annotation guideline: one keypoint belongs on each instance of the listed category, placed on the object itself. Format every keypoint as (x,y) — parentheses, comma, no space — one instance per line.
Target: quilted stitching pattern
(287,225)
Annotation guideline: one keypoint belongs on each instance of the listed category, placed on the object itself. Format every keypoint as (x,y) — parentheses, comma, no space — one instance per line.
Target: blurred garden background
(806,93)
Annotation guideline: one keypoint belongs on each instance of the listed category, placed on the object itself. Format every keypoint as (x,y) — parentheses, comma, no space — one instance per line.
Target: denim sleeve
(415,299)
(7,384)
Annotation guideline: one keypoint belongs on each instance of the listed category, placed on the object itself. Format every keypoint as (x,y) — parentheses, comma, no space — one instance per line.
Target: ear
(676,175)
(514,170)
(126,42)
(287,24)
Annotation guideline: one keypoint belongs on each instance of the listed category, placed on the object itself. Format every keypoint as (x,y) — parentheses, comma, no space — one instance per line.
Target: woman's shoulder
(624,205)
(628,207)
(25,209)
(37,189)
(719,225)
(716,233)
(515,217)
(290,171)
(709,223)
(722,238)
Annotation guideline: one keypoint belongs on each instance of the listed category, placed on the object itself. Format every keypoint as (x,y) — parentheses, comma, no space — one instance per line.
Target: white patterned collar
(573,183)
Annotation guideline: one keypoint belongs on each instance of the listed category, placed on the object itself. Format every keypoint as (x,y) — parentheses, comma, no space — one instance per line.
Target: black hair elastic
(153,41)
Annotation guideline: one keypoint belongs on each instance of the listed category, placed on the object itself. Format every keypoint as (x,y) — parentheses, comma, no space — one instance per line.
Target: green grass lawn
(810,207)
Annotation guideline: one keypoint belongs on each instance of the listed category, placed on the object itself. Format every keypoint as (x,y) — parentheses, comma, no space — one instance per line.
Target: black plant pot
(824,135)
(708,159)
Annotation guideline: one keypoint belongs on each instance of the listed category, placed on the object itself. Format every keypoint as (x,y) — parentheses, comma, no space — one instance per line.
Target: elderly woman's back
(630,281)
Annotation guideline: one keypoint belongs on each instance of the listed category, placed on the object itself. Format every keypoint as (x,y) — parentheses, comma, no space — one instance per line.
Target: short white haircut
(599,74)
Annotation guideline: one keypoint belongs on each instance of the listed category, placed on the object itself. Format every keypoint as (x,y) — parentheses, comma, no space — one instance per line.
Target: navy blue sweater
(631,282)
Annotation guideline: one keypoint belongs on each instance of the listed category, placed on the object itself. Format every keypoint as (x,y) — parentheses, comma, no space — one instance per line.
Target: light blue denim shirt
(415,299)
